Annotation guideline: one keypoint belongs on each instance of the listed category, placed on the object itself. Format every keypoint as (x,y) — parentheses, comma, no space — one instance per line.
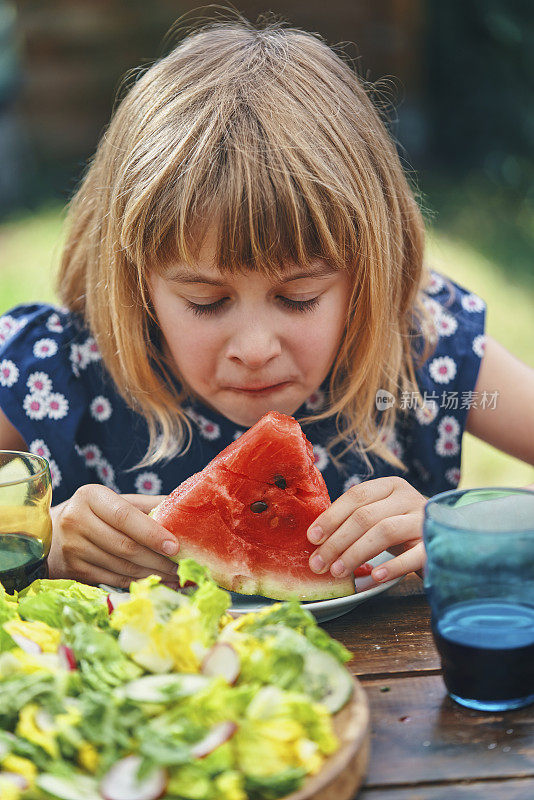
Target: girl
(244,240)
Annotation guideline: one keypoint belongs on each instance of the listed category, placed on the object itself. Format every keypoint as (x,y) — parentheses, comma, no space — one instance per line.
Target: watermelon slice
(245,516)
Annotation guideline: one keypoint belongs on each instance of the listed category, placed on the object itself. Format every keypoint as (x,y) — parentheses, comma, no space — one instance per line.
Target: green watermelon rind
(270,584)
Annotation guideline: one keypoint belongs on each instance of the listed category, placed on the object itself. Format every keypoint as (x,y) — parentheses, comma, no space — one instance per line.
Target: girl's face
(244,344)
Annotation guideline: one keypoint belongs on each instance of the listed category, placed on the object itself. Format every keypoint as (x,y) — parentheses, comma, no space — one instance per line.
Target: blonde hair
(267,130)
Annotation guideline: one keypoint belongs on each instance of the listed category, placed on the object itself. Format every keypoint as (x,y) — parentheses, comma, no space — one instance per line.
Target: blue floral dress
(55,391)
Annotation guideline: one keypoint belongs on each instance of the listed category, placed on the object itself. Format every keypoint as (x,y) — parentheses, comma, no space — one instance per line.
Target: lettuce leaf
(62,602)
(293,615)
(8,610)
(99,657)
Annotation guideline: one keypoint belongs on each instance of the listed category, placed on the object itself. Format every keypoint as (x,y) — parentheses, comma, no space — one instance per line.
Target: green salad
(162,694)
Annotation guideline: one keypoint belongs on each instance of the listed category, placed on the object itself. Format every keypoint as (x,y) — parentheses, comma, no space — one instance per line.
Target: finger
(362,494)
(144,502)
(93,554)
(363,519)
(411,560)
(390,531)
(123,516)
(110,541)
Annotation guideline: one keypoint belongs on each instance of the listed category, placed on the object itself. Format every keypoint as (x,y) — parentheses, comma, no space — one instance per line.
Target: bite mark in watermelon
(245,515)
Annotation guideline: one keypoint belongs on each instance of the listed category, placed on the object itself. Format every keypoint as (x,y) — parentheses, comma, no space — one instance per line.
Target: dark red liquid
(21,561)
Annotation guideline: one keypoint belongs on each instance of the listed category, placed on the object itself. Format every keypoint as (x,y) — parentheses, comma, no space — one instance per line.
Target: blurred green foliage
(479,80)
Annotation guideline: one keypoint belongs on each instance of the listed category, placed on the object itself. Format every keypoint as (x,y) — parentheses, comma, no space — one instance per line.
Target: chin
(247,418)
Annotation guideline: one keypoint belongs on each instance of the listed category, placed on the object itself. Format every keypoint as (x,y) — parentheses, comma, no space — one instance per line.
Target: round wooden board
(343,772)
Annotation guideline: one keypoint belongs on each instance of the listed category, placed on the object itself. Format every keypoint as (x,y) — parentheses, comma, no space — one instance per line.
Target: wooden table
(423,745)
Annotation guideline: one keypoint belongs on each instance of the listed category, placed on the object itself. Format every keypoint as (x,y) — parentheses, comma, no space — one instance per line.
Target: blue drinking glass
(479,579)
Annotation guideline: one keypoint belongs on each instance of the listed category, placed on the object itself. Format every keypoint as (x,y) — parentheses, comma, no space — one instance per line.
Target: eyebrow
(185,276)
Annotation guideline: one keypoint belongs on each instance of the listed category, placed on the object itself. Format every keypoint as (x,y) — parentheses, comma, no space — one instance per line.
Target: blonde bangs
(269,136)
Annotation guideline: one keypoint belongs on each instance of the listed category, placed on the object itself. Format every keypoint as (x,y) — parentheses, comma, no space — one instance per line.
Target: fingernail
(317,563)
(380,574)
(170,547)
(338,568)
(315,534)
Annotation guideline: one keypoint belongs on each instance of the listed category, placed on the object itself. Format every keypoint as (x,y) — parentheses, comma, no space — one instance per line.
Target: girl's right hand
(100,536)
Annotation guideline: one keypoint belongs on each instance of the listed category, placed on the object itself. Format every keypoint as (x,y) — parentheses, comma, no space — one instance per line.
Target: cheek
(323,335)
(193,348)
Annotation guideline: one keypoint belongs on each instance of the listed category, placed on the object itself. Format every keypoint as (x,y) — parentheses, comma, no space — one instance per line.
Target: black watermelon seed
(280,481)
(258,506)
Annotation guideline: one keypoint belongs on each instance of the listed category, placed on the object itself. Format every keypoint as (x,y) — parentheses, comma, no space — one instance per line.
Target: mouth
(259,390)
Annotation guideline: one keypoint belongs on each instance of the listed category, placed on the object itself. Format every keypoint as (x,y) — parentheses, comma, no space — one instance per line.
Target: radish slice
(44,720)
(364,583)
(160,688)
(28,645)
(222,660)
(17,780)
(116,598)
(67,657)
(336,681)
(79,788)
(4,747)
(218,735)
(121,783)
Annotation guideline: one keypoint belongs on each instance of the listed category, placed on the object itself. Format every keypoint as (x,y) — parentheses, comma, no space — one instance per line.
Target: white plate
(323,610)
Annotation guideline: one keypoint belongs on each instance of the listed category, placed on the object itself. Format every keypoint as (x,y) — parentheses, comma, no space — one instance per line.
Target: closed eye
(214,308)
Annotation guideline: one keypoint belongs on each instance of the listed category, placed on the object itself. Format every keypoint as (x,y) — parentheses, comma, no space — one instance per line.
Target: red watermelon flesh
(245,516)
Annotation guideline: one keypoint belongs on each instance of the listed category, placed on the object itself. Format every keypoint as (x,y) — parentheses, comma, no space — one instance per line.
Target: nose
(254,342)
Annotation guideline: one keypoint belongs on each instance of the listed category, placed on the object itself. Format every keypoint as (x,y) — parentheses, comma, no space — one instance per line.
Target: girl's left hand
(372,516)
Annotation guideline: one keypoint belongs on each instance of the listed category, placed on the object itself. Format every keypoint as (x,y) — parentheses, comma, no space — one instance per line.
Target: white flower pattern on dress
(106,473)
(55,473)
(91,350)
(421,470)
(389,438)
(39,383)
(148,483)
(35,407)
(208,429)
(442,369)
(436,283)
(192,414)
(53,323)
(100,408)
(57,405)
(479,345)
(9,326)
(237,435)
(453,476)
(320,455)
(427,412)
(449,426)
(78,357)
(447,324)
(447,446)
(91,454)
(352,481)
(9,372)
(315,401)
(472,302)
(44,348)
(39,448)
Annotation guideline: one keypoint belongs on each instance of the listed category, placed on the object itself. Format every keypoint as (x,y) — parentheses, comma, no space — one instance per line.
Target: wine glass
(25,522)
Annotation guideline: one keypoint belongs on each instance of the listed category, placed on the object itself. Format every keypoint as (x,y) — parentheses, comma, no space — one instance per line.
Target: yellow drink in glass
(25,522)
